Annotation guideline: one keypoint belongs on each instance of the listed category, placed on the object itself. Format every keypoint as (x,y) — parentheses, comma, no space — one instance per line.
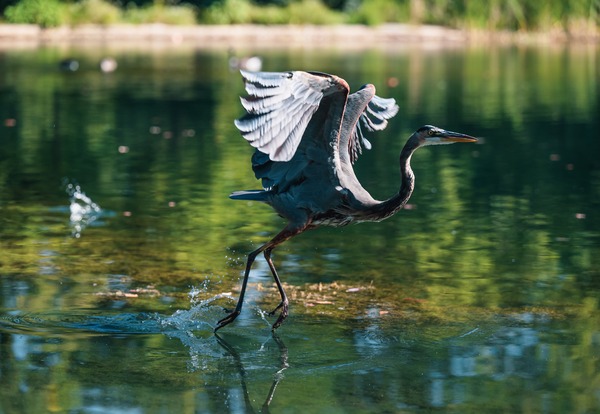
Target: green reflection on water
(482,296)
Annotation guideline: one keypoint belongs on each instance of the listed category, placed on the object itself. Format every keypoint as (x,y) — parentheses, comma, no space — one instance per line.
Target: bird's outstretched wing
(374,118)
(279,107)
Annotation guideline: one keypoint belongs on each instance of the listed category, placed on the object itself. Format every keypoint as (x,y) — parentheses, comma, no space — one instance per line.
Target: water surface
(482,296)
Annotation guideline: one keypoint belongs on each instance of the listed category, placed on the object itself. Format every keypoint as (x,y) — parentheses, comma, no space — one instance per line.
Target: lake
(120,249)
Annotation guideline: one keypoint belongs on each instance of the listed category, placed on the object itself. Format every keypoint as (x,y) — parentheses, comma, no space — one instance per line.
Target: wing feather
(374,118)
(279,107)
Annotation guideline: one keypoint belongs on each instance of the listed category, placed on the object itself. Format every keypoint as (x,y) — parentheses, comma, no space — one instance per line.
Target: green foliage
(492,14)
(94,11)
(381,11)
(228,12)
(269,14)
(243,11)
(506,14)
(49,13)
(46,13)
(158,13)
(313,12)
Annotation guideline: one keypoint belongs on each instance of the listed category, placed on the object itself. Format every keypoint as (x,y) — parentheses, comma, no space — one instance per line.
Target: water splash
(196,291)
(83,210)
(199,317)
(192,327)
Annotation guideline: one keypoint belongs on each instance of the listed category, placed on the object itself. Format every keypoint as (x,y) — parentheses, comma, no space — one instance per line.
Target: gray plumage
(308,132)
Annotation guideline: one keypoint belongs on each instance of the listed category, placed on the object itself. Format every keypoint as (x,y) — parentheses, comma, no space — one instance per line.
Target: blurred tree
(5,3)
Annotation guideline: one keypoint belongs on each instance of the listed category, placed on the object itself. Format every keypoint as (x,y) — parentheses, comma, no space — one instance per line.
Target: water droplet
(83,211)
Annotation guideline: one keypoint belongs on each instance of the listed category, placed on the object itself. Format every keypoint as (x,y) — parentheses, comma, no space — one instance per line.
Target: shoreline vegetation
(297,23)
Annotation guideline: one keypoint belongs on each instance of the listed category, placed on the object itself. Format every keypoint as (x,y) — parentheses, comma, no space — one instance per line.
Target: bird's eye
(431,132)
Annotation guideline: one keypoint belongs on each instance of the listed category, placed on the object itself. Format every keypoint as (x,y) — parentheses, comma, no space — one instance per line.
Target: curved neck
(392,205)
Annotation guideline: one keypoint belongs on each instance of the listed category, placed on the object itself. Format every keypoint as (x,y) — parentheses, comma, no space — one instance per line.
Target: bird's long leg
(287,233)
(238,308)
(283,305)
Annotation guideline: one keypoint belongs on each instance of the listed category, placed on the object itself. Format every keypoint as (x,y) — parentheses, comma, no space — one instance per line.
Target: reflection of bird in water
(249,63)
(307,131)
(243,375)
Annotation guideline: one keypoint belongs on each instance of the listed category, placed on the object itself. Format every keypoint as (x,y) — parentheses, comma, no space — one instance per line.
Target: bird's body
(307,131)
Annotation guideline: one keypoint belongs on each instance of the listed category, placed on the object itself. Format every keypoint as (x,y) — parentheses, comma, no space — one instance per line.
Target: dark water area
(119,246)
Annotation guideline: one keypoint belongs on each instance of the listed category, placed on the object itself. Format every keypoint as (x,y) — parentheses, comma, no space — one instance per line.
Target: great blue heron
(306,128)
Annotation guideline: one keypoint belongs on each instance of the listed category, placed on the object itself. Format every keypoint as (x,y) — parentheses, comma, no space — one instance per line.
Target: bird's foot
(284,313)
(274,311)
(227,320)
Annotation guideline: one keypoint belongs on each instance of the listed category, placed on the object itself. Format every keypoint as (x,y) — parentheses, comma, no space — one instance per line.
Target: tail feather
(254,195)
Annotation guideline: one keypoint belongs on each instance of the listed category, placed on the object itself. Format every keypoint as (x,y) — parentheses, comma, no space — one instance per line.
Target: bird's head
(431,135)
